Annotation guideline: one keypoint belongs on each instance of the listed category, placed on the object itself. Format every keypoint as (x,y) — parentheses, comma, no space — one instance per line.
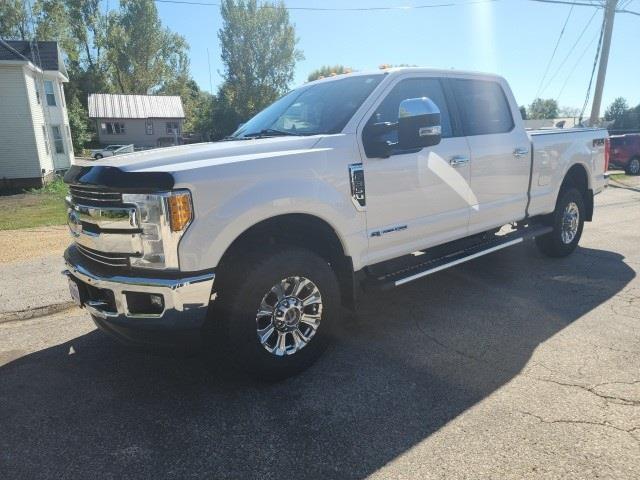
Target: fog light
(139,303)
(156,301)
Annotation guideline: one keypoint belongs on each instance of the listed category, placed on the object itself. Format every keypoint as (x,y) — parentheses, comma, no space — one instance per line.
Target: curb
(36,312)
(620,184)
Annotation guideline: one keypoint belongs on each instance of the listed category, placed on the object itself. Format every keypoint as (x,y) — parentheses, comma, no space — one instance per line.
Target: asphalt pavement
(511,366)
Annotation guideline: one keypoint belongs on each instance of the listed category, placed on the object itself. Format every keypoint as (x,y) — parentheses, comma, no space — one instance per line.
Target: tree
(52,23)
(78,124)
(569,112)
(328,71)
(616,110)
(13,20)
(523,112)
(259,54)
(142,55)
(198,104)
(540,109)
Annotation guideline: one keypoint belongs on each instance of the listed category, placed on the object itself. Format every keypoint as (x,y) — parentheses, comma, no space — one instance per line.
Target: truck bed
(553,151)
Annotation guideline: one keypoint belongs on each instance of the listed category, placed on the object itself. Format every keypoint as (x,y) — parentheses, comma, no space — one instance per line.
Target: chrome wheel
(634,166)
(289,316)
(570,222)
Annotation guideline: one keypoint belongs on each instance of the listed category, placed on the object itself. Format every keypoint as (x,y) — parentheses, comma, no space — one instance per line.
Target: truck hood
(185,157)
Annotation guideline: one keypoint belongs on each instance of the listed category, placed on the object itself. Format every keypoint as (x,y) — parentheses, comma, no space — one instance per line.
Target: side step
(420,270)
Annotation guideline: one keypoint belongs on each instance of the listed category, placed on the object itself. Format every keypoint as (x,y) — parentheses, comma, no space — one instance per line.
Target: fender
(206,241)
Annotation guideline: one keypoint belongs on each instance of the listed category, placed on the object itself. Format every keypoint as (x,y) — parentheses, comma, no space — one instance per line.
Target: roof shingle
(21,50)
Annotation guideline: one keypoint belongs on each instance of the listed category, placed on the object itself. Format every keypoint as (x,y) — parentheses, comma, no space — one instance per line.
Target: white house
(35,139)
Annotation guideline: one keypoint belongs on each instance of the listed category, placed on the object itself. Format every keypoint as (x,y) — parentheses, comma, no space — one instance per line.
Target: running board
(395,279)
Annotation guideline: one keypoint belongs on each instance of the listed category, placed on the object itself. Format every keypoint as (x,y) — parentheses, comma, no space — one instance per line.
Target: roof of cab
(401,70)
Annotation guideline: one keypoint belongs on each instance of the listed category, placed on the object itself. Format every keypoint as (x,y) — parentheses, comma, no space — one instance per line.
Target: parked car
(111,150)
(625,152)
(371,180)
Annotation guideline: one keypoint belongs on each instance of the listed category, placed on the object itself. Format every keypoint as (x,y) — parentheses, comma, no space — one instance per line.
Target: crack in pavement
(592,389)
(630,431)
(606,347)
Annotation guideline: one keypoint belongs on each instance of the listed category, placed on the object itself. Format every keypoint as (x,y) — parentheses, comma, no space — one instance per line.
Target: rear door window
(483,107)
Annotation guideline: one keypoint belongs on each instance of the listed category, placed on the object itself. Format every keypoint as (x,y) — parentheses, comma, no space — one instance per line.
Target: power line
(555,49)
(567,2)
(575,65)
(340,9)
(564,60)
(402,7)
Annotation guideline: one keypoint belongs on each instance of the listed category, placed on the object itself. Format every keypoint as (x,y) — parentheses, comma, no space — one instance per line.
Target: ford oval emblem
(73,220)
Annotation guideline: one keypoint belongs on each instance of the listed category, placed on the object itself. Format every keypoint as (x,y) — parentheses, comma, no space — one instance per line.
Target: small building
(35,139)
(146,121)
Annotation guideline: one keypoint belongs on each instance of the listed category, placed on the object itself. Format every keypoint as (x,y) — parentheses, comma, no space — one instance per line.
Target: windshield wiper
(270,132)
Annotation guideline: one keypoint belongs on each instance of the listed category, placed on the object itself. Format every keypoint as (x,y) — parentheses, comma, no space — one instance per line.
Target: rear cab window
(483,105)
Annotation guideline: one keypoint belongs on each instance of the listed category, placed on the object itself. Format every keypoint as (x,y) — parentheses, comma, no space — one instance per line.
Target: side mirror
(418,123)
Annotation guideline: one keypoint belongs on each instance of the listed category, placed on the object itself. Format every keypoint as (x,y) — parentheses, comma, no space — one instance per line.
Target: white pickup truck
(254,244)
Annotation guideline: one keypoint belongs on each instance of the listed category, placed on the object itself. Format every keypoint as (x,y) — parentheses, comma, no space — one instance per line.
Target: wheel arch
(301,230)
(578,177)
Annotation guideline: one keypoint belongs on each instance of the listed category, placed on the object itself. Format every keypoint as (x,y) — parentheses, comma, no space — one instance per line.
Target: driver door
(415,199)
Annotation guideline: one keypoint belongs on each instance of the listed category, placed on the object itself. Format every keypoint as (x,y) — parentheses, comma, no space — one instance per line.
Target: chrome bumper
(186,299)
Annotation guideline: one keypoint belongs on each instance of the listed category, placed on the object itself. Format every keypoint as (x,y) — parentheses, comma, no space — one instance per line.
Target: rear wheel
(633,168)
(567,222)
(276,314)
(98,156)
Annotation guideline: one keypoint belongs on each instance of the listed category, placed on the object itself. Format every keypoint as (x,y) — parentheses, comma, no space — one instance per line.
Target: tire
(555,243)
(251,287)
(98,156)
(633,167)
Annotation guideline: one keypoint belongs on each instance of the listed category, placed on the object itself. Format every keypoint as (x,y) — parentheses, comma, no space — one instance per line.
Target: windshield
(312,109)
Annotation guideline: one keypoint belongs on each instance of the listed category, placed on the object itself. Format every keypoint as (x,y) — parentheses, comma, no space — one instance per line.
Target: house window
(68,133)
(37,95)
(172,127)
(113,128)
(46,139)
(62,95)
(48,90)
(149,126)
(57,139)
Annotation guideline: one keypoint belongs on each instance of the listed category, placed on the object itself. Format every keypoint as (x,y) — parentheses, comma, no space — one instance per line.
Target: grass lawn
(36,208)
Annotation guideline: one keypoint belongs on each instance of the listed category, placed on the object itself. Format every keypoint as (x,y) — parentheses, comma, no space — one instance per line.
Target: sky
(513,38)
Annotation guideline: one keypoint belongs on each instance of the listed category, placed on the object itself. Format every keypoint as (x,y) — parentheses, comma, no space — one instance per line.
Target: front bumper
(185,299)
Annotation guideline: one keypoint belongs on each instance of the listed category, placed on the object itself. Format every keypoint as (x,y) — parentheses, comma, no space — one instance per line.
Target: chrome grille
(110,259)
(94,196)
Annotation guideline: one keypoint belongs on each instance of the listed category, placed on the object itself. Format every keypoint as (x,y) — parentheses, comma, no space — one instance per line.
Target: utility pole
(609,15)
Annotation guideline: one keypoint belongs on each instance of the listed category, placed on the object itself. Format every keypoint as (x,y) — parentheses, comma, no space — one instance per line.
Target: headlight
(164,217)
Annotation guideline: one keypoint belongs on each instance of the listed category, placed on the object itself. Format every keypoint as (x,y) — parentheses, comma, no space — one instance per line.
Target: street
(511,366)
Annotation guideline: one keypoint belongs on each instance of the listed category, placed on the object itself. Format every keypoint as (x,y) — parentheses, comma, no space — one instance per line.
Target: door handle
(458,160)
(520,152)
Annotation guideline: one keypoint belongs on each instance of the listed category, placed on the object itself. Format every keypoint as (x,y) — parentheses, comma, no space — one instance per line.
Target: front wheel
(633,168)
(276,313)
(567,221)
